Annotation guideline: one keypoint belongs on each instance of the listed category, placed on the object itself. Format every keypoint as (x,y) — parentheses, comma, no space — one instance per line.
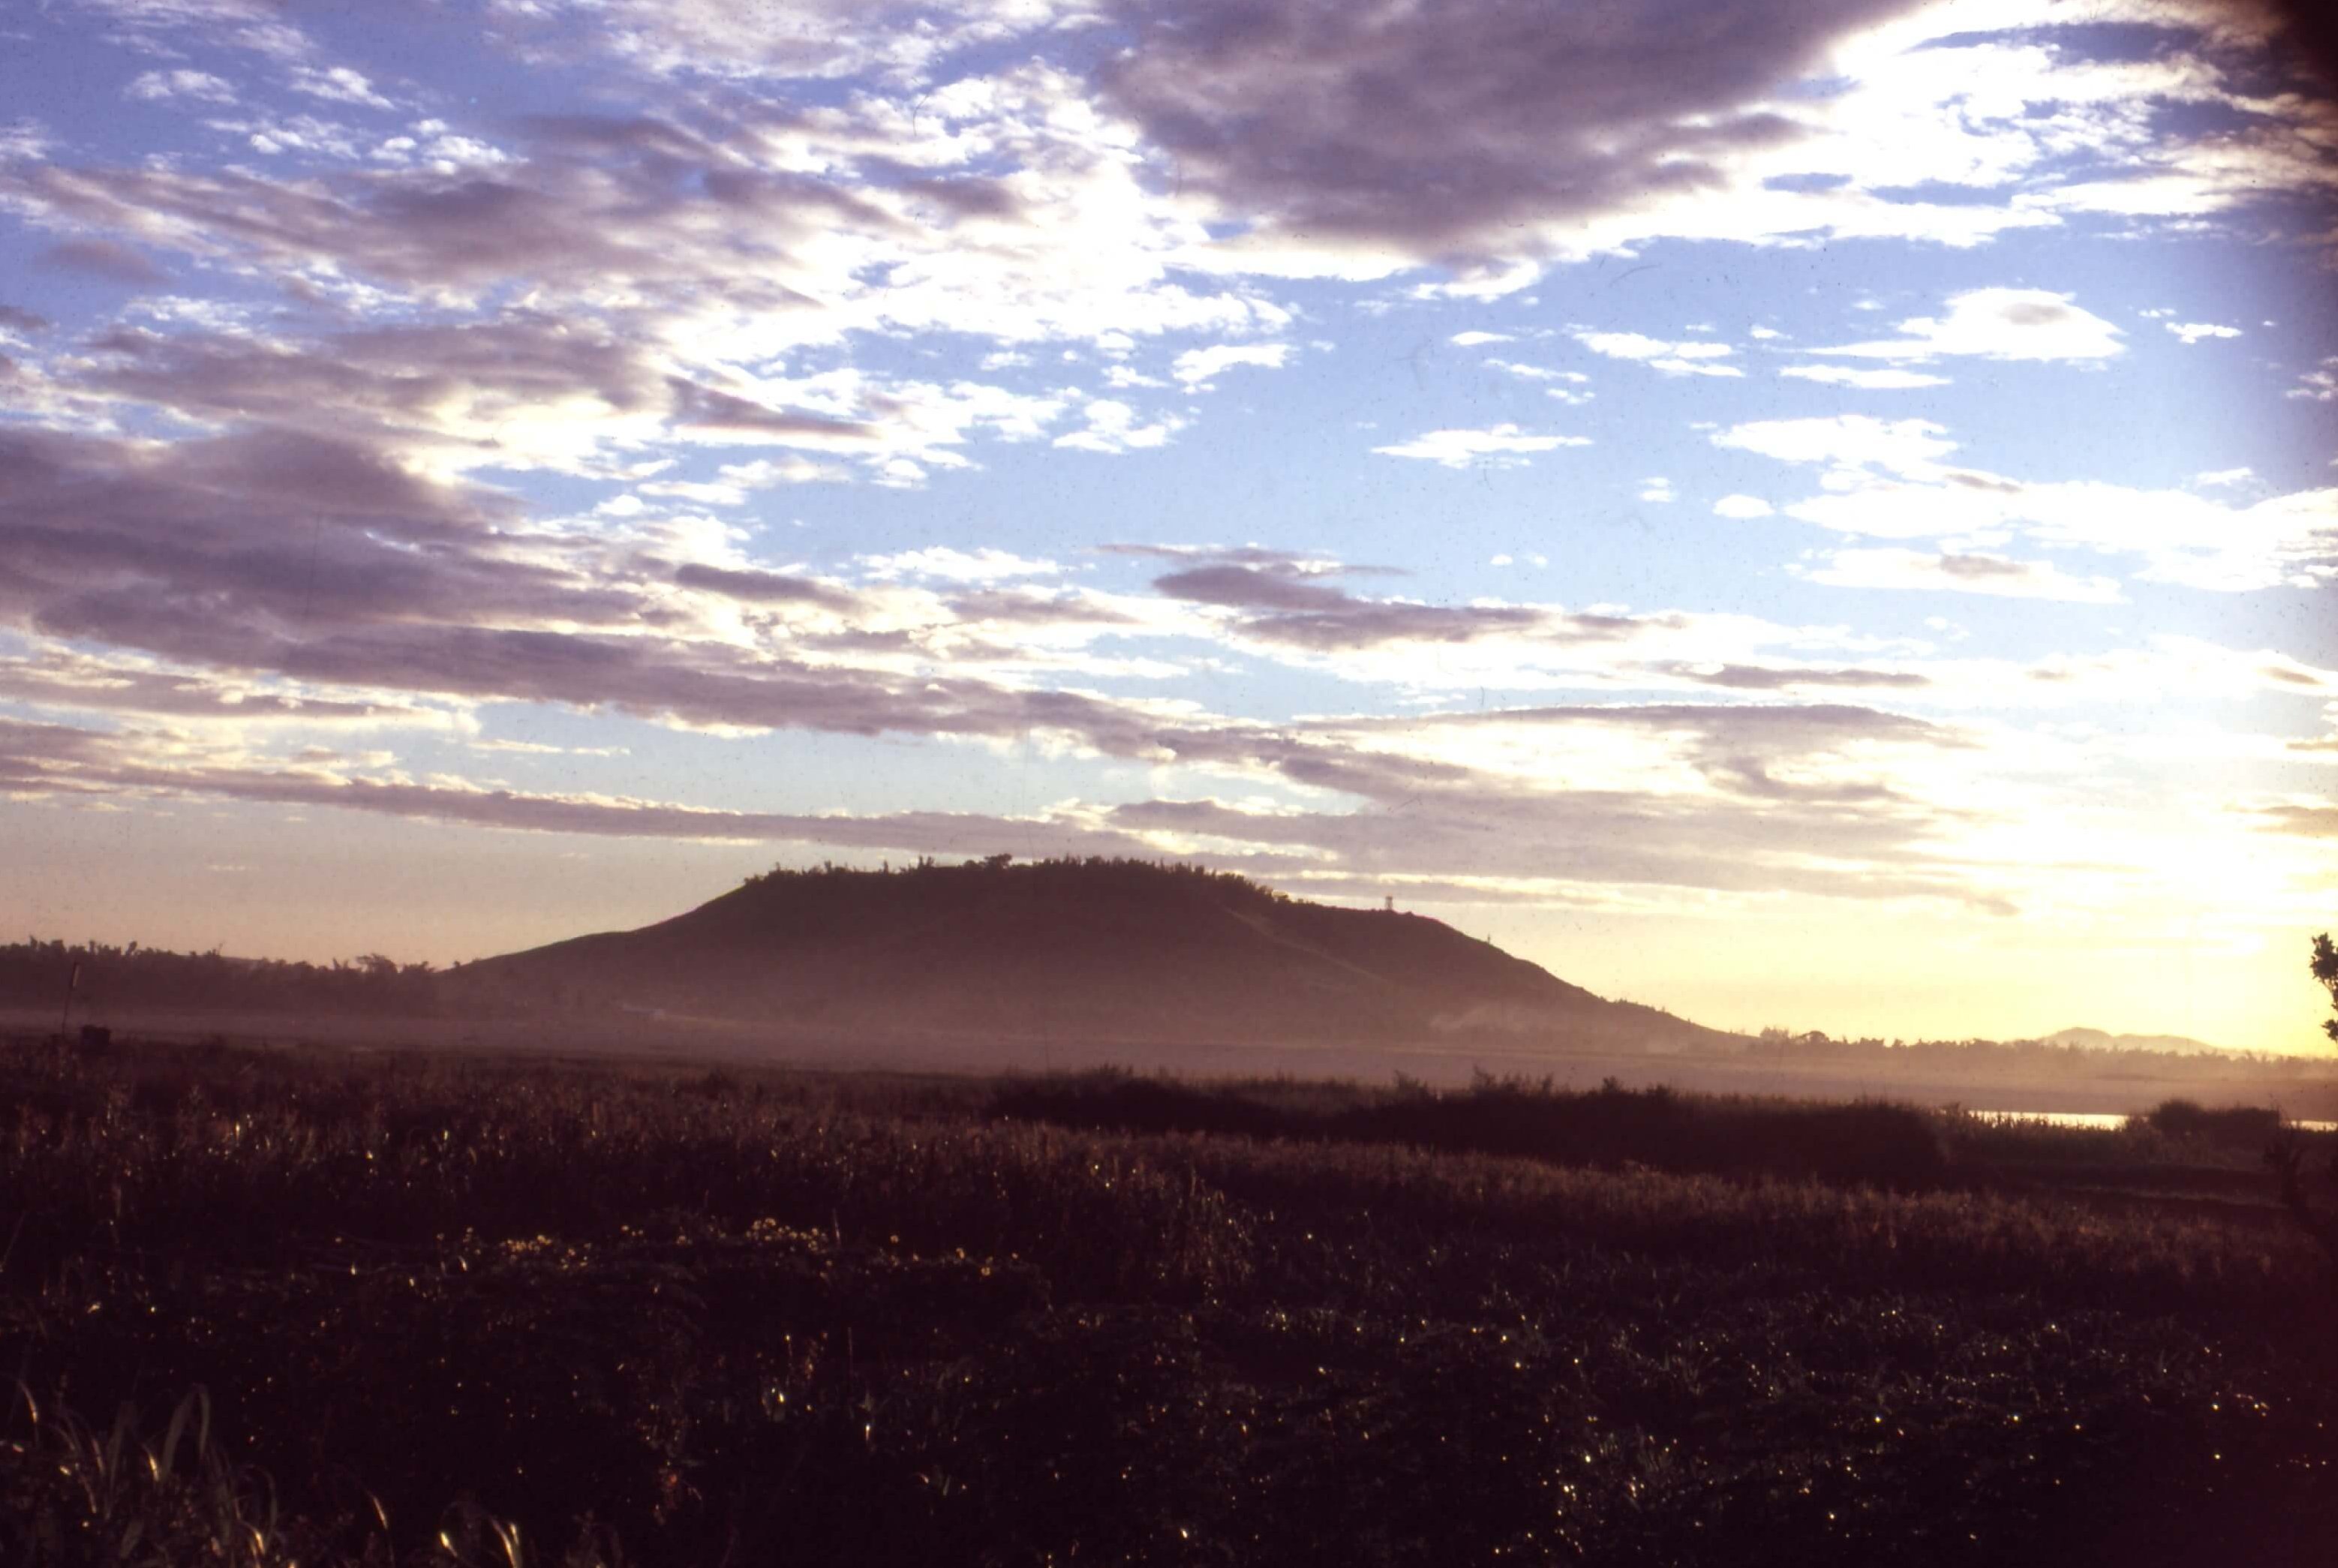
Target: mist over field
(988,965)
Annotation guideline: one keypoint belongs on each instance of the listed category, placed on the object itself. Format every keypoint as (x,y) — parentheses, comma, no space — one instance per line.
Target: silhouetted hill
(1106,949)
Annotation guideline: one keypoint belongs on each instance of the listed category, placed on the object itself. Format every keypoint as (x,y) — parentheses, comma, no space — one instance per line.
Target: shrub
(2230,1126)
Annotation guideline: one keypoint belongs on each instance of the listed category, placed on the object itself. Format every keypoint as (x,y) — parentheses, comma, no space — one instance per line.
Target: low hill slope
(1120,949)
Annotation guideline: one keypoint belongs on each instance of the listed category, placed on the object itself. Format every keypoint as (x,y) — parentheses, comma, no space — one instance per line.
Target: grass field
(450,1310)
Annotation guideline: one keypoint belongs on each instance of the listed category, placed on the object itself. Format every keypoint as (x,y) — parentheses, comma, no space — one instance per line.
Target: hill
(1103,950)
(2102,1040)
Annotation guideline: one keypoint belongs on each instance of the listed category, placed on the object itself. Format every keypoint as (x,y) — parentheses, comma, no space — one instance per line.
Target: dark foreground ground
(447,1310)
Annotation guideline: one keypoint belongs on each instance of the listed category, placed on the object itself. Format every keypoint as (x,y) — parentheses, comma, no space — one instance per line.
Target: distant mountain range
(1105,950)
(2101,1040)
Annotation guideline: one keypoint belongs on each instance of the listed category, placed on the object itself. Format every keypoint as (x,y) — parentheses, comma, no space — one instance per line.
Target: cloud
(2020,324)
(336,504)
(1885,479)
(78,760)
(1259,555)
(265,555)
(1756,798)
(2221,477)
(1695,357)
(1771,678)
(760,587)
(745,232)
(1570,394)
(256,26)
(1469,132)
(524,391)
(338,84)
(2188,181)
(1023,606)
(519,392)
(1525,372)
(1973,572)
(1296,605)
(1112,427)
(1866,380)
(1303,613)
(183,546)
(1843,441)
(1749,799)
(1474,140)
(105,259)
(1252,588)
(711,41)
(1658,793)
(2319,385)
(1805,800)
(2193,331)
(1500,446)
(2300,820)
(738,481)
(748,418)
(158,86)
(1658,489)
(60,678)
(949,564)
(1196,369)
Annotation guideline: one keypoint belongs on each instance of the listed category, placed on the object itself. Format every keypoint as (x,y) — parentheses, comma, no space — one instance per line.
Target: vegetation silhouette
(1611,1127)
(36,973)
(455,1310)
(2234,1126)
(2324,968)
(2286,1155)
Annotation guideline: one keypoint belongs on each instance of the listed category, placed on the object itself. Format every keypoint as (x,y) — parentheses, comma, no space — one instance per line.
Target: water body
(2111,1120)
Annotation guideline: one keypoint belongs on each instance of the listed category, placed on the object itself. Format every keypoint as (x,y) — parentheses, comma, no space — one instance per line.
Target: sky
(1811,512)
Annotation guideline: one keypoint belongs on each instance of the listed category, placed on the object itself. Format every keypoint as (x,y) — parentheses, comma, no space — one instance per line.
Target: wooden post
(65,1019)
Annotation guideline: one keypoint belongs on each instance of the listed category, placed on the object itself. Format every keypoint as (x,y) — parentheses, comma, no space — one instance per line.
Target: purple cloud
(106,258)
(1434,129)
(765,587)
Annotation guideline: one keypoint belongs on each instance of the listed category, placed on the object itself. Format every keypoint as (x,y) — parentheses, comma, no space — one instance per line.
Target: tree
(2325,970)
(2288,1156)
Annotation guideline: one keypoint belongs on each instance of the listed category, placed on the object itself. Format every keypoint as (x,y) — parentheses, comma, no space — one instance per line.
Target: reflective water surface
(2108,1118)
